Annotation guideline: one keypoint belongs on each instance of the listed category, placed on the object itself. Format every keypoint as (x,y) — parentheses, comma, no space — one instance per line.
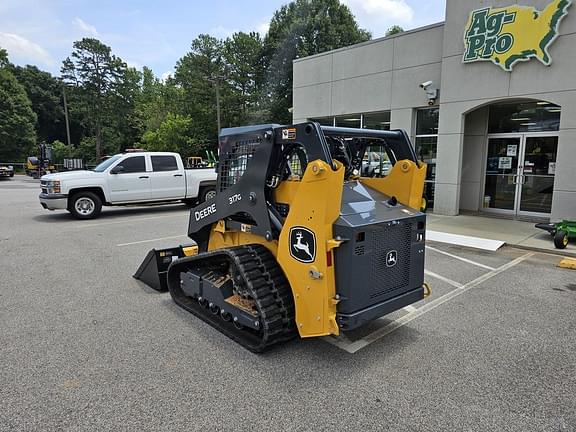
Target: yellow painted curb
(568,263)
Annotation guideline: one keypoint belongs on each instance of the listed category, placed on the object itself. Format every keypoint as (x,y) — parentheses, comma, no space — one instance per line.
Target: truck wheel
(207,193)
(85,205)
(561,239)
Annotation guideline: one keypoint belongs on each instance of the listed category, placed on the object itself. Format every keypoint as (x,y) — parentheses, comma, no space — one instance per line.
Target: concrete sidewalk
(512,232)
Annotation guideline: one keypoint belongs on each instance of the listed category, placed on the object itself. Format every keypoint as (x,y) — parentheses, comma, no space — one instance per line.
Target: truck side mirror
(117,169)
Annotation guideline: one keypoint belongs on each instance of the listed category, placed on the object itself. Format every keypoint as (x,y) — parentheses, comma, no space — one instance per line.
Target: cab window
(134,164)
(164,163)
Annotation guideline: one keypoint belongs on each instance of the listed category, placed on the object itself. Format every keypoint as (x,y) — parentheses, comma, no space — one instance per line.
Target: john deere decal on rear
(510,34)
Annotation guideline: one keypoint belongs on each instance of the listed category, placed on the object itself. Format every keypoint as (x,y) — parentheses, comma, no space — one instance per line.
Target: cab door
(167,180)
(129,180)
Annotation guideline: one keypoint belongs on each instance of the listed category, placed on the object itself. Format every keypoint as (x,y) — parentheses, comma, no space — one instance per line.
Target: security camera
(432,91)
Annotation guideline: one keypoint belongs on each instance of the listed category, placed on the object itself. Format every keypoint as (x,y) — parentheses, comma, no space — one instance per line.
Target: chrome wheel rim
(210,195)
(84,206)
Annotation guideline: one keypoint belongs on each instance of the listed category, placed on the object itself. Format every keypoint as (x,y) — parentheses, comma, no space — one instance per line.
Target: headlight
(51,186)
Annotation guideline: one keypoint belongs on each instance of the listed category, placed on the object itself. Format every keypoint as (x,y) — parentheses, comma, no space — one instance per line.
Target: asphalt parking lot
(84,346)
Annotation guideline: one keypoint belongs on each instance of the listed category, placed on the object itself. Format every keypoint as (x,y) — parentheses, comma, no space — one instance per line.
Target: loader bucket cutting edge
(153,269)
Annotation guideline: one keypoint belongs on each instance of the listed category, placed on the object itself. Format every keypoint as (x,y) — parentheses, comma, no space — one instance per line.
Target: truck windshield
(102,166)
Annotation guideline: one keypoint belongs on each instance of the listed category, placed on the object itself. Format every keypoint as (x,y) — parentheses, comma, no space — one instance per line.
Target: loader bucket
(153,269)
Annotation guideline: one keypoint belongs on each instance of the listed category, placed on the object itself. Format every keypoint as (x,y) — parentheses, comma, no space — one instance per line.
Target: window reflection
(524,117)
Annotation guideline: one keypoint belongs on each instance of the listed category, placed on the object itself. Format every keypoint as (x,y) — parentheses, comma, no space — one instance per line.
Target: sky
(157,33)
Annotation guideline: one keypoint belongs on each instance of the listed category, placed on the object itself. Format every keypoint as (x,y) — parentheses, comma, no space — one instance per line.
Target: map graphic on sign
(511,34)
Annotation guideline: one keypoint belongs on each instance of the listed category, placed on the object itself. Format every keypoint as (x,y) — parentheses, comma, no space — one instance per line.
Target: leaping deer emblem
(302,246)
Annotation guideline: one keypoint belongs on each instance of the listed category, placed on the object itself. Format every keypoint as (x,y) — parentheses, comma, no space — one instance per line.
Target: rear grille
(234,164)
(383,278)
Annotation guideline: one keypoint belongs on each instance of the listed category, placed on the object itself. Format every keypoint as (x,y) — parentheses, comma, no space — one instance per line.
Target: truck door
(167,180)
(129,180)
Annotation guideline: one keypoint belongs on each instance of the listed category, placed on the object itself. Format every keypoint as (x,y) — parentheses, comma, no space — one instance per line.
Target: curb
(559,252)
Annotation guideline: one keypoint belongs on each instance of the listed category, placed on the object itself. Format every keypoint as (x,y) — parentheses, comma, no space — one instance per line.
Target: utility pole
(215,80)
(66,114)
(217,84)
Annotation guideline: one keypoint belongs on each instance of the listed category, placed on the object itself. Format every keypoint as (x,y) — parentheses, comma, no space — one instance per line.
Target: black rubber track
(266,284)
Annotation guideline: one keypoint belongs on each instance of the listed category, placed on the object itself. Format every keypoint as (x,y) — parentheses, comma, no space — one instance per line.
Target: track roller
(240,291)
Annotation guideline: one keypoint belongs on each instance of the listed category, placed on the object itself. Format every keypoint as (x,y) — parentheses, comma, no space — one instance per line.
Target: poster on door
(551,168)
(505,163)
(512,150)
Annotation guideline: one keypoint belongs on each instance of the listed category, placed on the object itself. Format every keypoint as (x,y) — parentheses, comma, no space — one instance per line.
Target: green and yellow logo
(510,34)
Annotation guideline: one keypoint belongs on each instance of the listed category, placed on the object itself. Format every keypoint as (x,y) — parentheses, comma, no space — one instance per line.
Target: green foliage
(395,29)
(3,58)
(61,151)
(112,107)
(201,73)
(44,91)
(298,29)
(242,53)
(87,151)
(17,120)
(156,100)
(175,135)
(103,84)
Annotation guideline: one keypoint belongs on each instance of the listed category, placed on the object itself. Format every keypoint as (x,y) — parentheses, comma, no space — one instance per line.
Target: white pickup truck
(127,178)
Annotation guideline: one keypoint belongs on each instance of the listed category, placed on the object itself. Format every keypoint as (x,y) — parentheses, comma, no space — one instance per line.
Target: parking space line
(444,279)
(400,322)
(131,220)
(460,258)
(151,240)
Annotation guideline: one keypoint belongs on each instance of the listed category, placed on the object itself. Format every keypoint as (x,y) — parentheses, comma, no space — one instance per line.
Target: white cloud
(378,15)
(166,75)
(222,32)
(133,64)
(263,27)
(84,27)
(24,49)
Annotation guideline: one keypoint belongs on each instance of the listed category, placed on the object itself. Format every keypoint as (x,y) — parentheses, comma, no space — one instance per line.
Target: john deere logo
(507,35)
(302,244)
(391,258)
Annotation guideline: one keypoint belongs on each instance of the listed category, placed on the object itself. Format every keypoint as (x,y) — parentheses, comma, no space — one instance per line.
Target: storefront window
(378,121)
(350,121)
(427,121)
(524,117)
(324,121)
(426,143)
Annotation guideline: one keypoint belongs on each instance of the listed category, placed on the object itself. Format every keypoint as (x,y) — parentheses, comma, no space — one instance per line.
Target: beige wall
(385,74)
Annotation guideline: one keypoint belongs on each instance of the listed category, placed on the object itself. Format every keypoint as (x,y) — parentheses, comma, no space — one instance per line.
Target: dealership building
(488,98)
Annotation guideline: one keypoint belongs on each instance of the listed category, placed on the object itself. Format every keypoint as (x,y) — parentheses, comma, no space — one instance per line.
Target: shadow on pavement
(110,214)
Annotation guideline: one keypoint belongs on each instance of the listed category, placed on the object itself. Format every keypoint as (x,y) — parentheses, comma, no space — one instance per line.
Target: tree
(3,58)
(61,151)
(17,120)
(202,75)
(44,91)
(156,100)
(243,57)
(175,135)
(302,28)
(97,74)
(395,29)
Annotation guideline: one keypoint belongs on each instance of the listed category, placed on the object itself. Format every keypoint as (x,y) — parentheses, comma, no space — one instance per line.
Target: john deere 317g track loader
(303,237)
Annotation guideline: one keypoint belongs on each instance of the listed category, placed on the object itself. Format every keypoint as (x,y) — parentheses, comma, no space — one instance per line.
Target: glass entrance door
(501,174)
(536,177)
(520,173)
